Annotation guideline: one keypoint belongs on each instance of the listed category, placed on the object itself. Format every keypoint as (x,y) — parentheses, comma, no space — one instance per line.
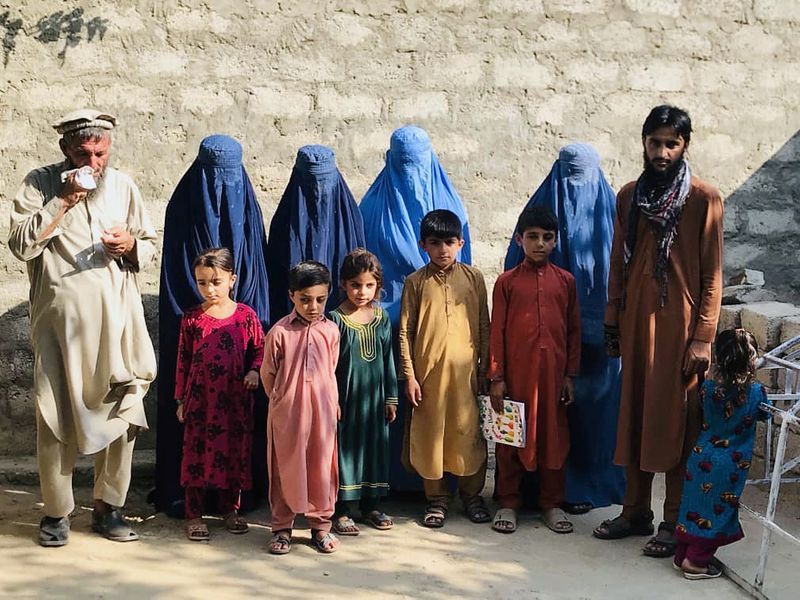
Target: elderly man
(84,236)
(664,292)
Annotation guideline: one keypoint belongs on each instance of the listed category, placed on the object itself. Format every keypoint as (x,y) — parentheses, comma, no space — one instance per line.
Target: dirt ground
(462,560)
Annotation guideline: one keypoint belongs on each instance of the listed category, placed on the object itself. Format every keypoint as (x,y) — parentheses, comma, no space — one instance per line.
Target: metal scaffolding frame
(784,361)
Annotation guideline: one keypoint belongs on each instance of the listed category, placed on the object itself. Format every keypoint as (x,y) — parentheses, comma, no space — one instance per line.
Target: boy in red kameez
(299,375)
(534,346)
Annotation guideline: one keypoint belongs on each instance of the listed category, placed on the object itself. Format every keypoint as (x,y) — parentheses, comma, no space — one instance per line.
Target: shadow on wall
(17,412)
(762,222)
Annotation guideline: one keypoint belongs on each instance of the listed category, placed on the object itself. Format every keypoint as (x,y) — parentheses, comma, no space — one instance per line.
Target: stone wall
(500,86)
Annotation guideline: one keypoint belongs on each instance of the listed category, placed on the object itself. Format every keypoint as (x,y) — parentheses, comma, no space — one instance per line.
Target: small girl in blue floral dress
(717,467)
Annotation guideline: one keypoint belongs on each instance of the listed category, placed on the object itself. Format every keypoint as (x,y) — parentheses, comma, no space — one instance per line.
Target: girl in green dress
(367,395)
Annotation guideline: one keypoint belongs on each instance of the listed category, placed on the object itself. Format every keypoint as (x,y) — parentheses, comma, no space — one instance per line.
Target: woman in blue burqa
(577,192)
(411,184)
(316,219)
(214,205)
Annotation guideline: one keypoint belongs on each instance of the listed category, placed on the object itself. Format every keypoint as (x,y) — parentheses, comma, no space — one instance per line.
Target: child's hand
(568,393)
(391,412)
(497,391)
(179,413)
(251,380)
(413,392)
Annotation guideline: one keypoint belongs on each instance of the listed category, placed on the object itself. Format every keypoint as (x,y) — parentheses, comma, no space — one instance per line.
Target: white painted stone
(128,96)
(279,102)
(332,103)
(205,101)
(514,71)
(576,6)
(451,72)
(660,76)
(420,106)
(161,62)
(348,30)
(764,320)
(766,222)
(778,10)
(671,8)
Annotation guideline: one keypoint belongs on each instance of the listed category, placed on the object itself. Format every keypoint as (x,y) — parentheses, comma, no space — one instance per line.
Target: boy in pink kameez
(299,375)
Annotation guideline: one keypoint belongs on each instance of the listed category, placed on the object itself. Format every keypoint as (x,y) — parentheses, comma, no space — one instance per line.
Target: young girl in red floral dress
(219,354)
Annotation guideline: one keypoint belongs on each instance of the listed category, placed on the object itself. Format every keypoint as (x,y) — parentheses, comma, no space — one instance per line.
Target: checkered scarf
(663,208)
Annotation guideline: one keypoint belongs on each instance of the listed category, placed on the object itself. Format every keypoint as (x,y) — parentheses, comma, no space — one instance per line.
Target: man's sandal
(235,523)
(197,531)
(328,543)
(556,520)
(476,509)
(622,527)
(435,514)
(661,545)
(280,542)
(379,520)
(505,520)
(53,532)
(345,525)
(113,526)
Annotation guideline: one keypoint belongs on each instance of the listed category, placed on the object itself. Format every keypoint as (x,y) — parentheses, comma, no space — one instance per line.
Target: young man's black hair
(537,216)
(668,116)
(440,224)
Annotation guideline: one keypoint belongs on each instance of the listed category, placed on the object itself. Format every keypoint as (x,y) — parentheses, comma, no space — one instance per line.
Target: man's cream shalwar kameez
(93,358)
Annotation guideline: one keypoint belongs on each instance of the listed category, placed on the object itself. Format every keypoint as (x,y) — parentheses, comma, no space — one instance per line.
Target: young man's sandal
(505,520)
(435,514)
(661,545)
(235,523)
(327,543)
(197,531)
(113,526)
(345,525)
(280,542)
(622,527)
(53,532)
(557,520)
(379,520)
(476,510)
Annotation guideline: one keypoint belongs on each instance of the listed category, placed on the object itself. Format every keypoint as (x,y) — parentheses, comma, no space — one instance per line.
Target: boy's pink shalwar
(301,426)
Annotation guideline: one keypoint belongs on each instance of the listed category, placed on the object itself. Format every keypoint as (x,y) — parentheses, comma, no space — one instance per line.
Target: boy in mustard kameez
(444,349)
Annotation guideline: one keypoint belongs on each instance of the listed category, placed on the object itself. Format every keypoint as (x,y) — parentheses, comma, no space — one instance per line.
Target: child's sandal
(345,525)
(435,514)
(197,531)
(280,542)
(235,523)
(327,544)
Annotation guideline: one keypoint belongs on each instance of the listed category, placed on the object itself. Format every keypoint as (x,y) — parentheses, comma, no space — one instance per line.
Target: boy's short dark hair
(308,274)
(440,224)
(538,216)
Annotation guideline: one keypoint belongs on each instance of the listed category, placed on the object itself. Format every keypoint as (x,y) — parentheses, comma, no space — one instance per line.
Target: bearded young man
(664,293)
(84,239)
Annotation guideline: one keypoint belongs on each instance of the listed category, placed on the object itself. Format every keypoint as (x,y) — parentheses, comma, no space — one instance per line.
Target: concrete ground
(462,560)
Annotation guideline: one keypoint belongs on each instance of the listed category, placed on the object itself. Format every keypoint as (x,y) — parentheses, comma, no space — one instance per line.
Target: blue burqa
(577,192)
(213,206)
(411,184)
(316,219)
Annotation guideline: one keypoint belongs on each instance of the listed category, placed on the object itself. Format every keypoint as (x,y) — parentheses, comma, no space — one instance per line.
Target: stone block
(450,71)
(514,71)
(729,224)
(790,328)
(670,8)
(333,104)
(425,105)
(764,321)
(777,10)
(738,255)
(157,62)
(279,102)
(348,30)
(746,294)
(660,76)
(766,222)
(730,316)
(205,101)
(747,277)
(576,6)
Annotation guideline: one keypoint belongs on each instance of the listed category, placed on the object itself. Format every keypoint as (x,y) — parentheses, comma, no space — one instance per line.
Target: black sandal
(658,547)
(53,532)
(113,526)
(435,514)
(622,527)
(578,508)
(476,509)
